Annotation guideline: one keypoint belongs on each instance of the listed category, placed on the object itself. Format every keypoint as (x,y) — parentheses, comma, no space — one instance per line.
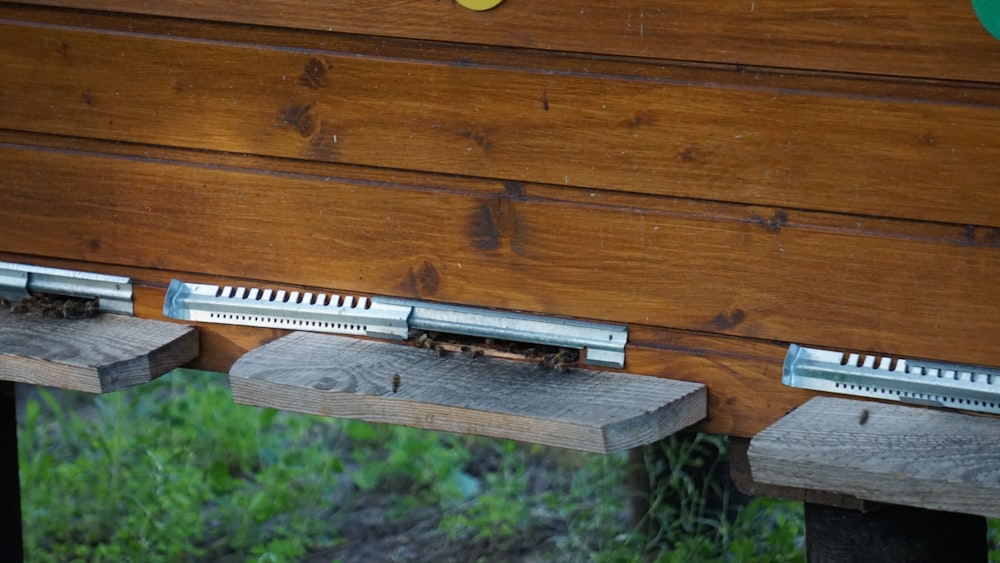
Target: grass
(174,471)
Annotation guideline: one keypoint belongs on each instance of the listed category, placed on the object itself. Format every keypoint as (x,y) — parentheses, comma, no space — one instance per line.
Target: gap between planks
(593,411)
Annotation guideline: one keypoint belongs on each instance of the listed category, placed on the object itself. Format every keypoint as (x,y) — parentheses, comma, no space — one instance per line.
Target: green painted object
(989,14)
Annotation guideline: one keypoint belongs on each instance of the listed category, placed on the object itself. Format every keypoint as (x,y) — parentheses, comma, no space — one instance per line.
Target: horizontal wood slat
(933,459)
(898,37)
(593,411)
(97,355)
(780,145)
(745,393)
(896,287)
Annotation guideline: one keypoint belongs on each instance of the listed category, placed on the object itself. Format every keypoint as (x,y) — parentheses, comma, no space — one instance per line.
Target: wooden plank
(743,376)
(904,288)
(739,469)
(776,142)
(586,410)
(901,455)
(100,354)
(900,37)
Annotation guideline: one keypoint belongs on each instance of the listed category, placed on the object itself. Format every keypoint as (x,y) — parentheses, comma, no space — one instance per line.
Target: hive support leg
(11,547)
(892,533)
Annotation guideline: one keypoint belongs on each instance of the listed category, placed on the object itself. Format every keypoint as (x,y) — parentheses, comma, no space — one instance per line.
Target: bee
(21,307)
(4,302)
(472,352)
(560,361)
(863,419)
(49,305)
(425,340)
(77,308)
(395,382)
(55,306)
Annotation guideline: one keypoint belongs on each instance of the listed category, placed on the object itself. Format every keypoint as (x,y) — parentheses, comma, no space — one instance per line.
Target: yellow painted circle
(479,5)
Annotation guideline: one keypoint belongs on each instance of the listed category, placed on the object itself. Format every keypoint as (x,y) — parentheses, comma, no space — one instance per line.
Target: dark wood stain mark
(991,237)
(969,237)
(687,155)
(314,75)
(425,280)
(87,98)
(641,118)
(514,190)
(774,224)
(545,99)
(94,244)
(182,86)
(64,52)
(300,118)
(322,145)
(484,232)
(988,237)
(727,321)
(480,136)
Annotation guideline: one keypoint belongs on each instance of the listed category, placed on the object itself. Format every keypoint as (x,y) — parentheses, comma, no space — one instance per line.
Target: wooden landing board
(580,409)
(97,355)
(901,455)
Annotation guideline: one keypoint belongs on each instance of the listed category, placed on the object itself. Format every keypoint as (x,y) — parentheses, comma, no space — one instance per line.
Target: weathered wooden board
(745,393)
(739,470)
(101,354)
(345,377)
(900,37)
(901,455)
(776,141)
(904,288)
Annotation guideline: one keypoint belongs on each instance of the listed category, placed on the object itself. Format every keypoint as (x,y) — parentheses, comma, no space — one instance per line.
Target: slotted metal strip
(114,293)
(386,317)
(316,312)
(922,382)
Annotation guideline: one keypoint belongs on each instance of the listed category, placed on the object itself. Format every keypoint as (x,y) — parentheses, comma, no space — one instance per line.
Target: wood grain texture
(671,131)
(97,355)
(345,377)
(898,37)
(901,455)
(739,469)
(903,288)
(745,393)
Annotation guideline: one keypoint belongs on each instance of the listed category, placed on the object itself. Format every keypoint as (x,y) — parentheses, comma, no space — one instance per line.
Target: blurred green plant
(174,471)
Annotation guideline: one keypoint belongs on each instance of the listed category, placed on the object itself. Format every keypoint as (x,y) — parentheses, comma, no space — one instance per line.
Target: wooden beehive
(724,177)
